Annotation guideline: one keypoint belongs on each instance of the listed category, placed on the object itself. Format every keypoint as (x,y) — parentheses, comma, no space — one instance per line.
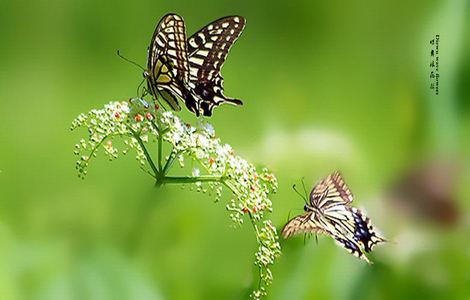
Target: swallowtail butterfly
(190,69)
(329,212)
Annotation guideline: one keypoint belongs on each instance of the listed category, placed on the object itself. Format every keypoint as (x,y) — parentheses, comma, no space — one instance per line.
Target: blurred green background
(326,85)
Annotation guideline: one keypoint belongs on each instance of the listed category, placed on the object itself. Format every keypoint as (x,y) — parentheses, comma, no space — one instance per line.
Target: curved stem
(230,187)
(146,153)
(255,228)
(148,172)
(90,155)
(98,145)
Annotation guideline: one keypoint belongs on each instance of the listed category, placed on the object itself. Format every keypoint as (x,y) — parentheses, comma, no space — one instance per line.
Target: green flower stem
(146,153)
(256,228)
(190,179)
(148,172)
(160,132)
(230,187)
(160,143)
(98,145)
(170,161)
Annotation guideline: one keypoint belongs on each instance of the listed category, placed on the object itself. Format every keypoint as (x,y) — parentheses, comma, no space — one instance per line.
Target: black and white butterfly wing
(331,199)
(167,67)
(207,51)
(300,224)
(330,191)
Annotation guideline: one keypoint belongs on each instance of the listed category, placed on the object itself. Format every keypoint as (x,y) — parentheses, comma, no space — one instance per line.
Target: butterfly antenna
(316,238)
(130,61)
(298,193)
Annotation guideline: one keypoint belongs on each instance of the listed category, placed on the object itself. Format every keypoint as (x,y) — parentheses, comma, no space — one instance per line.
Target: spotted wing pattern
(168,67)
(331,213)
(207,51)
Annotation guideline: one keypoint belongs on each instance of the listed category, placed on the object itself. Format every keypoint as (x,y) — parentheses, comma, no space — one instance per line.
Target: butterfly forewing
(167,66)
(207,51)
(300,224)
(330,191)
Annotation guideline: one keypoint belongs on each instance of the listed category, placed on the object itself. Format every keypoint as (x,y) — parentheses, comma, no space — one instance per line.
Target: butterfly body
(189,69)
(329,212)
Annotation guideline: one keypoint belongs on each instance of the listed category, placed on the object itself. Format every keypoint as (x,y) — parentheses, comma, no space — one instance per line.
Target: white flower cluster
(128,120)
(250,188)
(137,122)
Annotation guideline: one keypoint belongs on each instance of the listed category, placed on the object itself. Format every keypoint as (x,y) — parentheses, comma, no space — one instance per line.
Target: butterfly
(190,69)
(329,212)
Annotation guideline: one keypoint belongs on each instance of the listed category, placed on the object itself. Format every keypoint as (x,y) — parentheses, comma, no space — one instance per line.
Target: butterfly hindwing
(207,51)
(167,67)
(352,246)
(364,231)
